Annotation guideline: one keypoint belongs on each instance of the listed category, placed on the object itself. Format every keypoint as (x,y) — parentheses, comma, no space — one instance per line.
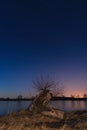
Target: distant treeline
(15,99)
(68,98)
(30,99)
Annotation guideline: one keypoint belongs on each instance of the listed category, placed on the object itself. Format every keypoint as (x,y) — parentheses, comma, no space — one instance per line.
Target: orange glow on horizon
(74,93)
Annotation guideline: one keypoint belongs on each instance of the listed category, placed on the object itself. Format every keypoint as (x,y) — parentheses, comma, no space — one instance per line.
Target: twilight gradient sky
(42,36)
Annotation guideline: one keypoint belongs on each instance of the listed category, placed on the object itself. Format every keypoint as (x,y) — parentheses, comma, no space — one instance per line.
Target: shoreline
(23,119)
(53,99)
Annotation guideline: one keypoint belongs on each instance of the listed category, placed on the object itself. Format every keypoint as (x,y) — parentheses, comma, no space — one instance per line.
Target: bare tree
(44,83)
(78,96)
(58,90)
(72,96)
(84,95)
(46,88)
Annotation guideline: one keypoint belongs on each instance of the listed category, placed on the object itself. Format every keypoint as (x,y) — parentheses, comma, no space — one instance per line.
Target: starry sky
(42,36)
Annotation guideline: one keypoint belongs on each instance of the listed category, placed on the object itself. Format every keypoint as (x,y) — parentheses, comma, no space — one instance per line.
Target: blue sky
(48,37)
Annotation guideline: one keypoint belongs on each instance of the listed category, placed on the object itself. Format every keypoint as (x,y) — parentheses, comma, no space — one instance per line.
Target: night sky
(42,36)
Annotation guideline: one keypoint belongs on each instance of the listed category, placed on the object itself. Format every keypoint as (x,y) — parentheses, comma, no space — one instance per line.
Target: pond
(13,106)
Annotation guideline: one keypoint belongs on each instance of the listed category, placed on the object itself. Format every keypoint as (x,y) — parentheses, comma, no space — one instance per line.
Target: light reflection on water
(70,105)
(13,106)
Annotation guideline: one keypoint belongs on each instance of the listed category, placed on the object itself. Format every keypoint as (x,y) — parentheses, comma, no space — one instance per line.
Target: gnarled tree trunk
(41,105)
(40,102)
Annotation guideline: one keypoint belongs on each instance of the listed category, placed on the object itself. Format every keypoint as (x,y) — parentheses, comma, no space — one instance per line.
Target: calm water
(12,106)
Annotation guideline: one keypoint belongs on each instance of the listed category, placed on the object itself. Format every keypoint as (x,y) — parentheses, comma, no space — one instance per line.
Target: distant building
(20,97)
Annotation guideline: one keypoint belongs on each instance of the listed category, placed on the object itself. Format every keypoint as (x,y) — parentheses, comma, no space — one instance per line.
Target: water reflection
(12,106)
(85,103)
(70,105)
(19,105)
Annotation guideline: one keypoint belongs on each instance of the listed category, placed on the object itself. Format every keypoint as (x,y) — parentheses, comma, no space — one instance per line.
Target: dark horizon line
(53,98)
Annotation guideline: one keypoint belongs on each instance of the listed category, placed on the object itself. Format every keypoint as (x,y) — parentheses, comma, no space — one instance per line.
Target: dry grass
(23,120)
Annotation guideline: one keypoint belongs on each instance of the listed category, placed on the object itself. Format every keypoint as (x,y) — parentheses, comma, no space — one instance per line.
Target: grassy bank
(23,120)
